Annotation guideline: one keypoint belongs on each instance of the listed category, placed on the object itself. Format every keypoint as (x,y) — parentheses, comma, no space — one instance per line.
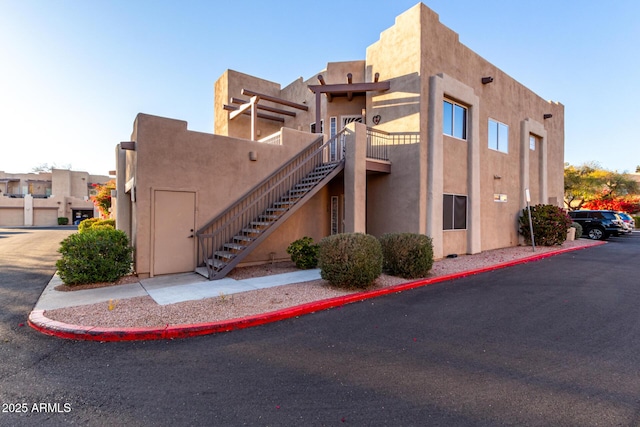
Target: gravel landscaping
(145,312)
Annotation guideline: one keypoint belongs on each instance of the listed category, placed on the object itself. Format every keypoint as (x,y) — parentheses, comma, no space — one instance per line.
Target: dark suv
(598,225)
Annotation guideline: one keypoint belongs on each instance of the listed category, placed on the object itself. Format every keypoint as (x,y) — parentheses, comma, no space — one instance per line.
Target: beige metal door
(174,242)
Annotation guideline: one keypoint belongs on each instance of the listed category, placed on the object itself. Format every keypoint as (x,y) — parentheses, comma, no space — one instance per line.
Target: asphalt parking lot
(548,343)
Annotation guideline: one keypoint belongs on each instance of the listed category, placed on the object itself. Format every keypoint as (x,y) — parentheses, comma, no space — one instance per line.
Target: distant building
(39,199)
(422,136)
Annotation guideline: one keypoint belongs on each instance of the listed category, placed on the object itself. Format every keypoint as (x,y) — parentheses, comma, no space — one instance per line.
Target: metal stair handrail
(264,195)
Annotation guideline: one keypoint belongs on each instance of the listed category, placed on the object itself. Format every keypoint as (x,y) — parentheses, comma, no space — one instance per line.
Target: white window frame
(451,132)
(533,141)
(333,130)
(498,145)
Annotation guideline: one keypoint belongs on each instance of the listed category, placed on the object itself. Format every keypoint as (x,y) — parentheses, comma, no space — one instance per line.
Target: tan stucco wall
(170,157)
(396,56)
(436,50)
(229,85)
(68,191)
(424,62)
(296,227)
(393,199)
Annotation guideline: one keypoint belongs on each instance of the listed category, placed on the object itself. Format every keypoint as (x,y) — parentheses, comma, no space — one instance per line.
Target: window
(532,142)
(335,229)
(454,120)
(498,136)
(350,119)
(333,124)
(454,212)
(313,127)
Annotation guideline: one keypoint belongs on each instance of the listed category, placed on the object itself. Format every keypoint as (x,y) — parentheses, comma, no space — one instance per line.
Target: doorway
(174,242)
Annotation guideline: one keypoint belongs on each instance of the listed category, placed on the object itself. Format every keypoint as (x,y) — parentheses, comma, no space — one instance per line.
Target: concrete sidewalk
(173,289)
(169,289)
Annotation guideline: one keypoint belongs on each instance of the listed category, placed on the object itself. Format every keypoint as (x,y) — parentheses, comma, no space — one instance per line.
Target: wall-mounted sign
(376,119)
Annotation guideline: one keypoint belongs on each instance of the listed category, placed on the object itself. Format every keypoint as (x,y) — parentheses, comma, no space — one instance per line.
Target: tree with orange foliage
(103,199)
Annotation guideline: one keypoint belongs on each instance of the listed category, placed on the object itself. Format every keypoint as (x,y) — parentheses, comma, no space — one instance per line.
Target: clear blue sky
(74,73)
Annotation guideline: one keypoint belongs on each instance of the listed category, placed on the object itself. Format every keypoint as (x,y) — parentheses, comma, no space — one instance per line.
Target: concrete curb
(38,321)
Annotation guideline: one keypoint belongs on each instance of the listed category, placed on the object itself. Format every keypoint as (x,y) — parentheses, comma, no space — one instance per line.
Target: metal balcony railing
(378,142)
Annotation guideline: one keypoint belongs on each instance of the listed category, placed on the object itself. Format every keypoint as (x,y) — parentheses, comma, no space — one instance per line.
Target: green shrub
(578,228)
(407,255)
(92,223)
(105,222)
(550,225)
(636,219)
(63,220)
(95,255)
(304,253)
(352,260)
(85,224)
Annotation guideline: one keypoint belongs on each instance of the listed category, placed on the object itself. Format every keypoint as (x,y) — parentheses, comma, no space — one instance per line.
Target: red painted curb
(38,321)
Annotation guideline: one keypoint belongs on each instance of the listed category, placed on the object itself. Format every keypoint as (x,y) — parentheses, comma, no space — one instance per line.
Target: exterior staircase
(231,236)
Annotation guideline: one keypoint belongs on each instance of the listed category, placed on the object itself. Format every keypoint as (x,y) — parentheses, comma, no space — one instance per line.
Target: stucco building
(39,199)
(423,136)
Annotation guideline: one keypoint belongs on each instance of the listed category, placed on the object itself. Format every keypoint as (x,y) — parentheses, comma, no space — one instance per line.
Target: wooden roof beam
(321,80)
(355,87)
(280,101)
(265,107)
(244,107)
(260,115)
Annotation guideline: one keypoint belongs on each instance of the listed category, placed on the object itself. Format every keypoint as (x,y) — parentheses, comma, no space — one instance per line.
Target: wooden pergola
(252,106)
(348,90)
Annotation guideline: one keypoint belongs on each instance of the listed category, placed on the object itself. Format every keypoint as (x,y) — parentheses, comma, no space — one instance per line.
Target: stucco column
(544,185)
(441,86)
(122,201)
(474,243)
(530,127)
(524,162)
(435,161)
(355,179)
(28,210)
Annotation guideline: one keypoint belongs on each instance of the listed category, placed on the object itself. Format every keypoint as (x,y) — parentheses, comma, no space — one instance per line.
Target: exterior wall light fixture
(547,116)
(497,177)
(486,80)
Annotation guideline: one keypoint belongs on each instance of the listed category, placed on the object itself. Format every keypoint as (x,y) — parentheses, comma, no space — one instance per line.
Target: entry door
(174,244)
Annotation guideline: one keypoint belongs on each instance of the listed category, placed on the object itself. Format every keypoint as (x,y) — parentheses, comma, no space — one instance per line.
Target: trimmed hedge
(304,253)
(63,220)
(550,225)
(350,260)
(95,255)
(578,228)
(91,223)
(85,224)
(407,255)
